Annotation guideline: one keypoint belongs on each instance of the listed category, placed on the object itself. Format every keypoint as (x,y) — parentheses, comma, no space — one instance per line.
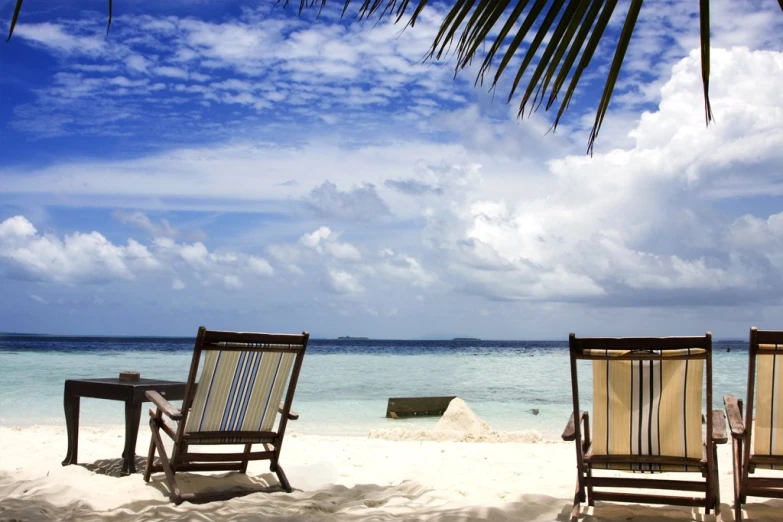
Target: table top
(117,382)
(114,389)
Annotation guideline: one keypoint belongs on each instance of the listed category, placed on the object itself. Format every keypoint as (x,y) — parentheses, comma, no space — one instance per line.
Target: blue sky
(241,166)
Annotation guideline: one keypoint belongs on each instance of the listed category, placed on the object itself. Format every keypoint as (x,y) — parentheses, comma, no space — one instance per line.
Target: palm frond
(16,17)
(614,70)
(565,35)
(108,25)
(704,23)
(587,54)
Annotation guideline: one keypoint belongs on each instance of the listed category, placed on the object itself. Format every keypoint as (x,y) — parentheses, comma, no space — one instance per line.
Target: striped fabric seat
(647,407)
(239,391)
(768,427)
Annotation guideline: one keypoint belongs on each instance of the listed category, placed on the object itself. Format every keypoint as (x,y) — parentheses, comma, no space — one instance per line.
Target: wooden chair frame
(590,488)
(181,458)
(743,460)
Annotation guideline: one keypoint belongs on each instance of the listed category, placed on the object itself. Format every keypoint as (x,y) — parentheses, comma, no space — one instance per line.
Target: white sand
(334,478)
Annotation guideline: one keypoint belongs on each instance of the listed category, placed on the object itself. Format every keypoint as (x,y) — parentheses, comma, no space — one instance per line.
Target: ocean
(344,385)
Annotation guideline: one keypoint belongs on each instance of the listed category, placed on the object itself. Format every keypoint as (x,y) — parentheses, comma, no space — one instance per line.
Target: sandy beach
(334,478)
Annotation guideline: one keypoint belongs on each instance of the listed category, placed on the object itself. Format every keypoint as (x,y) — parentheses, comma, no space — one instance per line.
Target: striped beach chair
(763,424)
(648,396)
(239,392)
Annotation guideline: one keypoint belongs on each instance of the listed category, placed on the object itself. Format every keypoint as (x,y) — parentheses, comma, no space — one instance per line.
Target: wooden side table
(132,393)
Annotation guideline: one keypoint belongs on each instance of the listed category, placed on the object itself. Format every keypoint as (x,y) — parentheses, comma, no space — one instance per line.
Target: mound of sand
(458,424)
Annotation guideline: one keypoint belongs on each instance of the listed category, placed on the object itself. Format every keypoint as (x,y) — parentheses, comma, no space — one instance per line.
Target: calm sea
(344,385)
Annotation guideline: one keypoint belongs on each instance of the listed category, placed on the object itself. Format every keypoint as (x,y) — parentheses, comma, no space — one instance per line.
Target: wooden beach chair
(647,418)
(763,424)
(243,378)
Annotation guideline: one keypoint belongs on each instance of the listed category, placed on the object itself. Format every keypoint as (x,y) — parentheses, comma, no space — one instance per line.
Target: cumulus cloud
(325,241)
(403,268)
(629,222)
(359,203)
(341,282)
(76,258)
(260,266)
(79,257)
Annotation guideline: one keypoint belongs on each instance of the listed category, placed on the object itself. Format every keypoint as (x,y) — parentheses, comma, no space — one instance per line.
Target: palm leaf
(554,51)
(531,17)
(614,70)
(704,23)
(16,17)
(584,28)
(587,55)
(108,26)
(543,29)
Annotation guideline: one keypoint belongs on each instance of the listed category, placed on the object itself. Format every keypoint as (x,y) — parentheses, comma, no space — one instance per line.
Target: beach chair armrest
(163,405)
(734,413)
(292,415)
(719,427)
(569,433)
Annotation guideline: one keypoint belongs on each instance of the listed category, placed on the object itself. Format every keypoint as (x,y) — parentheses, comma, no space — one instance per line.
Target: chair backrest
(243,378)
(647,398)
(765,383)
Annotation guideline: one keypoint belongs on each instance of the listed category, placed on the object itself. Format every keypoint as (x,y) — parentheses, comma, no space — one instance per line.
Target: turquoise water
(343,388)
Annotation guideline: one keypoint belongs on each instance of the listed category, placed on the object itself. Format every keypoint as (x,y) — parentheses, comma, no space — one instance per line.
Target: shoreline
(334,478)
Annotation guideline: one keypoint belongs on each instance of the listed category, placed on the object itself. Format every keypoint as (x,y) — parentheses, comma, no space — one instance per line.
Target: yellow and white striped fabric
(768,416)
(648,407)
(239,391)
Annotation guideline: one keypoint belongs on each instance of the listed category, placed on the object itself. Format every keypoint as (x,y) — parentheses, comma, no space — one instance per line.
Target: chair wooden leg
(716,482)
(281,477)
(590,499)
(736,461)
(248,447)
(151,452)
(579,497)
(709,475)
(174,493)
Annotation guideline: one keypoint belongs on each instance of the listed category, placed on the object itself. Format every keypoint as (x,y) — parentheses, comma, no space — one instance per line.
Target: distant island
(349,338)
(466,339)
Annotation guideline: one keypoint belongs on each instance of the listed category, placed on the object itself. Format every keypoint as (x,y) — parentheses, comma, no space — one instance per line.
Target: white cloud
(143,222)
(171,72)
(358,203)
(297,68)
(638,219)
(38,299)
(342,282)
(54,37)
(77,258)
(232,282)
(403,268)
(177,284)
(137,63)
(17,227)
(324,241)
(260,266)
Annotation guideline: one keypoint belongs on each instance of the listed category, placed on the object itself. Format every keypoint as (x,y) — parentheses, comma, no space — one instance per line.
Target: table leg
(132,419)
(71,407)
